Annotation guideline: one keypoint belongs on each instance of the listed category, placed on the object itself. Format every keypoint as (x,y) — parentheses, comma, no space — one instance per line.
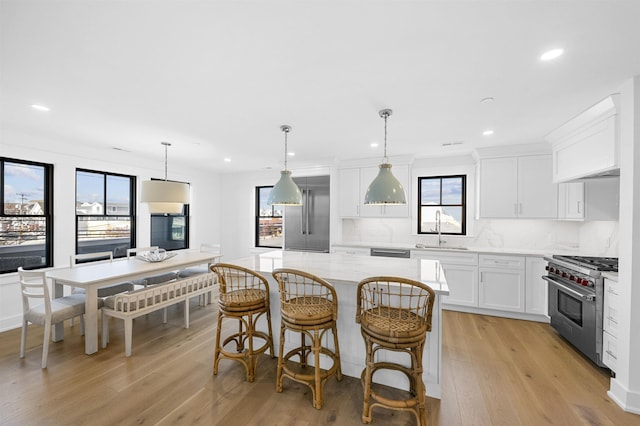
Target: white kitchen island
(344,272)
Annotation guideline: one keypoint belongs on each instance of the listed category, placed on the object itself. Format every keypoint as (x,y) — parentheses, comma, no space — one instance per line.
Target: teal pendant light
(285,192)
(385,188)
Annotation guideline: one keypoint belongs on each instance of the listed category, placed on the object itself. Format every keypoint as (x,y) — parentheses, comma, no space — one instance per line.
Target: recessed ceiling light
(486,100)
(291,154)
(227,160)
(452,143)
(487,133)
(374,145)
(40,107)
(551,54)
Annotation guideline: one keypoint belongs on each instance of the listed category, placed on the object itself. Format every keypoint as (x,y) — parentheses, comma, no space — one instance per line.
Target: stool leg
(271,350)
(334,330)
(251,369)
(216,355)
(366,410)
(316,347)
(280,360)
(303,351)
(420,388)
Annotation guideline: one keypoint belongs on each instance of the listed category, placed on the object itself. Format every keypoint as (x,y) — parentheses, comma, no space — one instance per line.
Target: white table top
(105,273)
(349,268)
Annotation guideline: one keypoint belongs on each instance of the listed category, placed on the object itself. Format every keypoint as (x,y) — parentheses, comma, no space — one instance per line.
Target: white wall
(205,203)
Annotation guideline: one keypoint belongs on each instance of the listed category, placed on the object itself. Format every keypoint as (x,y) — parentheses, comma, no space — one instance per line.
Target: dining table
(93,276)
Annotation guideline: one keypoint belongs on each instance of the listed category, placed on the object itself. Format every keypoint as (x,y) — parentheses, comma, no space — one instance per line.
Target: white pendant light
(285,192)
(163,196)
(385,188)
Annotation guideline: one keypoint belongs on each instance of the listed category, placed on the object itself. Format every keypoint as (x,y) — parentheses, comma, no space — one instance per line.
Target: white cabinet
(502,282)
(353,184)
(461,273)
(611,320)
(349,192)
(536,288)
(357,251)
(517,187)
(588,144)
(594,199)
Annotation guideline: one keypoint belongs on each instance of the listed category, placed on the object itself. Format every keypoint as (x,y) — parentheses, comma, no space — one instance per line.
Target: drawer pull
(611,319)
(612,291)
(612,355)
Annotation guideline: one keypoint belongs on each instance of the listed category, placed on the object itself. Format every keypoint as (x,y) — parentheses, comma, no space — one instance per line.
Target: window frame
(47,207)
(258,216)
(132,206)
(463,204)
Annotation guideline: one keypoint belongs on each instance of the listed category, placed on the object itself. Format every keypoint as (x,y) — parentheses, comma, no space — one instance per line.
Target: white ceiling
(218,78)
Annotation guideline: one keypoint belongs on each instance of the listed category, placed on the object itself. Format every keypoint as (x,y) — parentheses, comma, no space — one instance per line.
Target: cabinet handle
(612,291)
(612,355)
(611,319)
(579,207)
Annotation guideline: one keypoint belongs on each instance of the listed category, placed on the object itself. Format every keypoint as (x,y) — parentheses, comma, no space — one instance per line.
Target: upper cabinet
(593,199)
(353,186)
(587,145)
(517,187)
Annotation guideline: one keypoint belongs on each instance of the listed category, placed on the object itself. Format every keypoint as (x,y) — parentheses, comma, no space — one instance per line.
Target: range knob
(564,275)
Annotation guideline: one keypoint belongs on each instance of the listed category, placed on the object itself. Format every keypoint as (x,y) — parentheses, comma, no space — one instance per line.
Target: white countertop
(613,276)
(349,268)
(453,248)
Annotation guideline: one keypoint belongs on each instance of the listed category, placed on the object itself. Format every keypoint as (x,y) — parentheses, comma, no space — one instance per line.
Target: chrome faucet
(439,228)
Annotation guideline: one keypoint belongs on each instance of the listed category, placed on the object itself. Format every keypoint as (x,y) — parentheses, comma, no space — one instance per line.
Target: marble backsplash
(594,238)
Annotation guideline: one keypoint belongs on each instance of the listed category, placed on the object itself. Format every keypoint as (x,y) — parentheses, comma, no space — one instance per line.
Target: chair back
(382,297)
(236,278)
(136,250)
(104,256)
(302,288)
(33,285)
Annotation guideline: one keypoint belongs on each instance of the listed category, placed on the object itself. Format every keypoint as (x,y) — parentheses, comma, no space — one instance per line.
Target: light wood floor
(495,372)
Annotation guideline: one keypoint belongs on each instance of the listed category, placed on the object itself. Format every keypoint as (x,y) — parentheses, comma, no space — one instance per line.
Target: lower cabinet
(611,320)
(536,289)
(502,283)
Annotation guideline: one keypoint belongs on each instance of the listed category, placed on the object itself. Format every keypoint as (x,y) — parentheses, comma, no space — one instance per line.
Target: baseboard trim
(495,313)
(627,400)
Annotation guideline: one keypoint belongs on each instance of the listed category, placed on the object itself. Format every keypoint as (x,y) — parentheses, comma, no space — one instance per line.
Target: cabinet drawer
(498,261)
(448,257)
(609,351)
(611,308)
(359,251)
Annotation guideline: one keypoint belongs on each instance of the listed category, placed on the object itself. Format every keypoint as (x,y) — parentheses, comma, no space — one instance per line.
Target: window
(171,231)
(105,212)
(446,196)
(26,215)
(268,220)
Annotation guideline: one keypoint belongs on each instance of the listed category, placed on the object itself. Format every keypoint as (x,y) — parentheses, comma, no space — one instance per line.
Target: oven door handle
(588,297)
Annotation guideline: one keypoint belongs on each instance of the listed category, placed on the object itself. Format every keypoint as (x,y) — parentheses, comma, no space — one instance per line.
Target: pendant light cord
(166,145)
(385,159)
(286,132)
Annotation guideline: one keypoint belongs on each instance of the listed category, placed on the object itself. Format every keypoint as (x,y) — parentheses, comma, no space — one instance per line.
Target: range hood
(587,146)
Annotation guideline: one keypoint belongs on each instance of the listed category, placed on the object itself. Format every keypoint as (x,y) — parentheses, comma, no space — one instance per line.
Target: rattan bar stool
(309,306)
(394,314)
(243,296)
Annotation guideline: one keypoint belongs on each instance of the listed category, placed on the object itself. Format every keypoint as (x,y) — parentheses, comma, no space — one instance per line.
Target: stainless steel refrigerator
(306,227)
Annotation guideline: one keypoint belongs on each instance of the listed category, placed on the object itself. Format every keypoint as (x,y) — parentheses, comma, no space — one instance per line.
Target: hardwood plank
(496,371)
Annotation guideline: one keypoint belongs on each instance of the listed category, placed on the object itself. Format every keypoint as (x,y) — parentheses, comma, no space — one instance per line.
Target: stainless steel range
(576,295)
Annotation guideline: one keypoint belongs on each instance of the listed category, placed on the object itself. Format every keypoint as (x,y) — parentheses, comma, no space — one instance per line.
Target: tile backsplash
(596,238)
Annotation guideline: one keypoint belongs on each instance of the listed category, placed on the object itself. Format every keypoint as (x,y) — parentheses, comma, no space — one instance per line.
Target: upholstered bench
(132,304)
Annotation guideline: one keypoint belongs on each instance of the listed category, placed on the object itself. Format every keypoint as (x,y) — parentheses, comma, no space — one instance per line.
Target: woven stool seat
(242,300)
(307,310)
(244,297)
(309,306)
(394,314)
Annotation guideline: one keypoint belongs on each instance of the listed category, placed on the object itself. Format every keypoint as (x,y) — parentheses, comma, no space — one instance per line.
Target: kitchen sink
(422,246)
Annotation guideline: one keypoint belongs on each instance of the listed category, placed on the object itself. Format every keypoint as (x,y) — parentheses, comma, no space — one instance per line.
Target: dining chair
(308,306)
(394,315)
(34,286)
(243,297)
